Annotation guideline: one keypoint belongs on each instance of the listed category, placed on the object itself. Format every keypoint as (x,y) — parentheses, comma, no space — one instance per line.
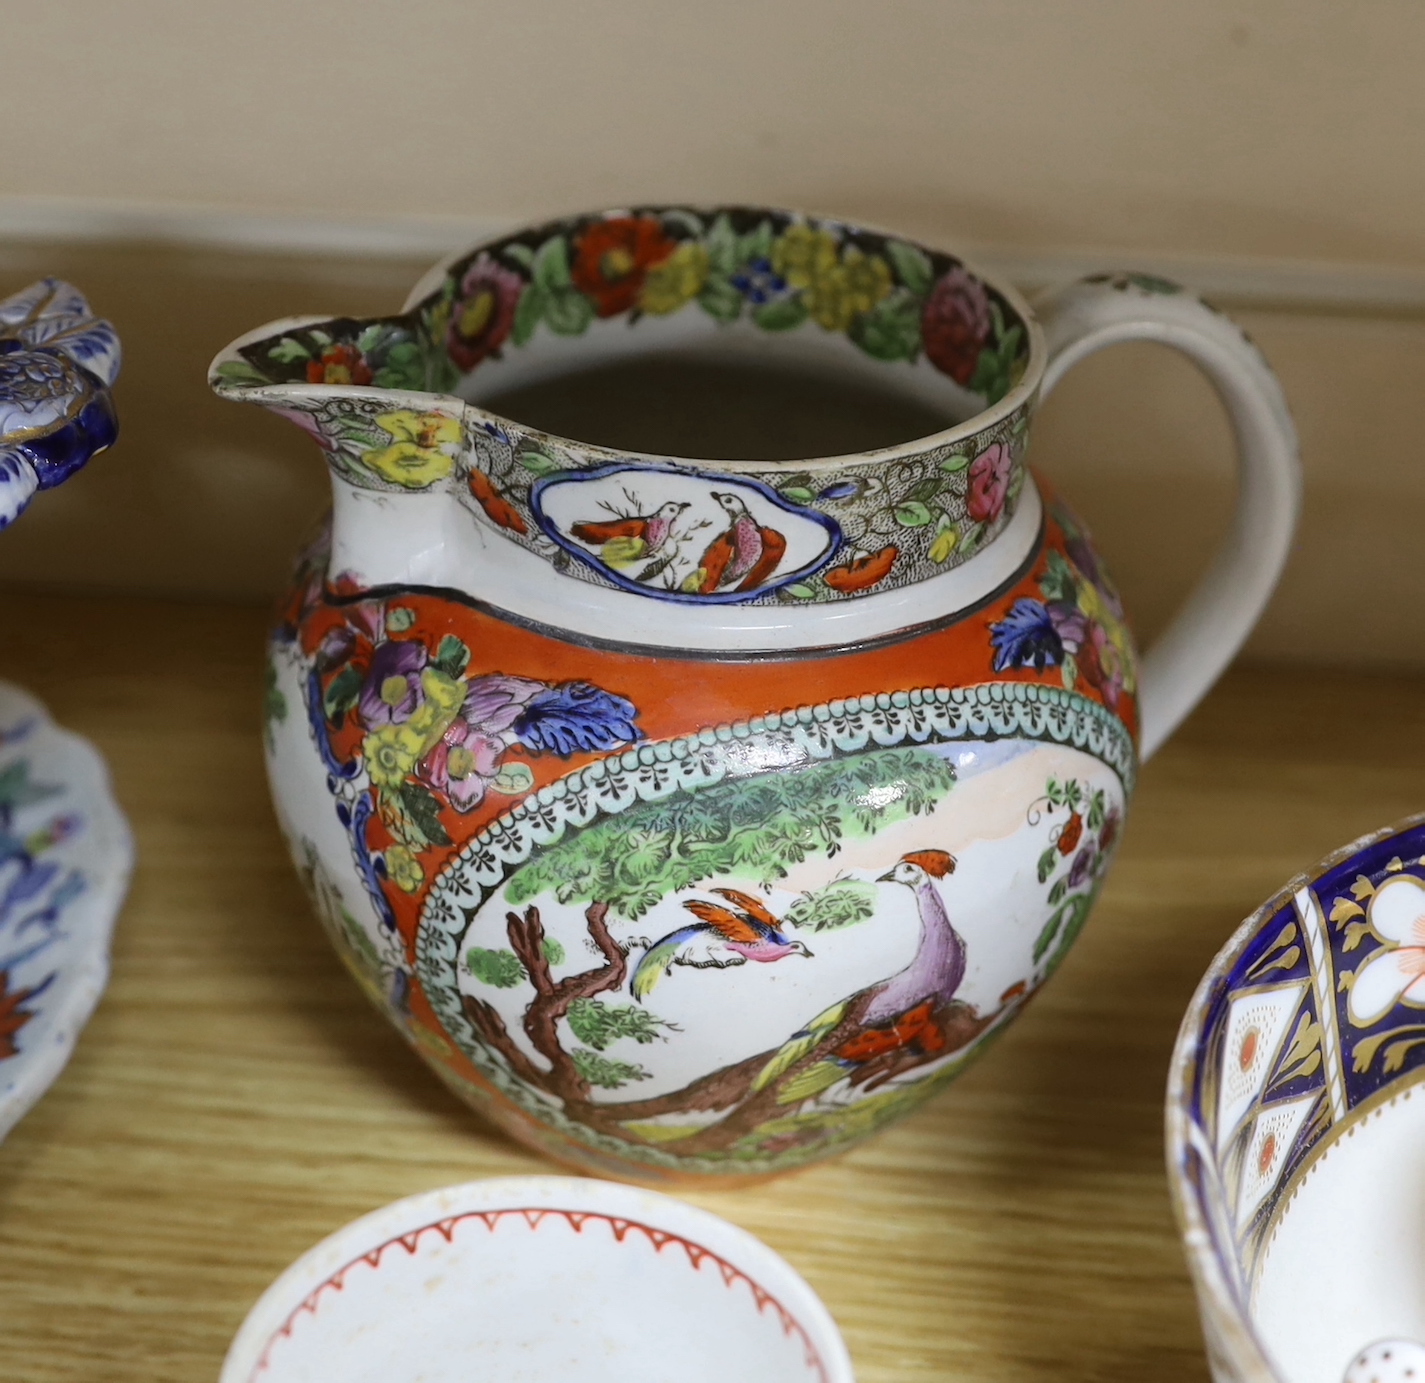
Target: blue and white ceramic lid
(57,364)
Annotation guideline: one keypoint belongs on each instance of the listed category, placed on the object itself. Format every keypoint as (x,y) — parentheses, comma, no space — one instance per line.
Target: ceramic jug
(698,818)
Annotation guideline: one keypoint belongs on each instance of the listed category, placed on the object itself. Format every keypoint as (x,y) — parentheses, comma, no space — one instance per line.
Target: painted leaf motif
(756,244)
(1046,863)
(424,811)
(538,462)
(1395,1054)
(600,1071)
(721,245)
(720,299)
(529,312)
(240,372)
(551,265)
(785,315)
(452,656)
(912,514)
(912,266)
(513,779)
(567,312)
(500,969)
(342,694)
(1343,908)
(891,330)
(1356,932)
(288,350)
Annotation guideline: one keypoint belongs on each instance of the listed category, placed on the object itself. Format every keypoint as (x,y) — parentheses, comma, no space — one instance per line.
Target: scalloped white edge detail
(81,955)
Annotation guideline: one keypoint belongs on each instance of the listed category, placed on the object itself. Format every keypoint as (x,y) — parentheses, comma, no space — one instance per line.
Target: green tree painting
(748,829)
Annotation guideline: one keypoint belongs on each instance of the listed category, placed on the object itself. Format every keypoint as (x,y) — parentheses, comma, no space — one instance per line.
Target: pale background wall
(181,160)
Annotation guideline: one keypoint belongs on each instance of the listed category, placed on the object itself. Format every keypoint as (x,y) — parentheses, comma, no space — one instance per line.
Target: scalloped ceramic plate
(1296,1126)
(65,859)
(539,1280)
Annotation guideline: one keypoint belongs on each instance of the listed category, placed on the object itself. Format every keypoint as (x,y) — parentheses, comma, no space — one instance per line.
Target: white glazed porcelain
(539,1280)
(65,859)
(698,817)
(1296,1127)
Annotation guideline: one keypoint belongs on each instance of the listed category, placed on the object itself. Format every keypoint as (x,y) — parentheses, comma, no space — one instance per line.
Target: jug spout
(402,478)
(362,391)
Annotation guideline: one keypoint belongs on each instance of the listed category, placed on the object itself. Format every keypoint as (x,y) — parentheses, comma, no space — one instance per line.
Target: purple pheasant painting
(847,898)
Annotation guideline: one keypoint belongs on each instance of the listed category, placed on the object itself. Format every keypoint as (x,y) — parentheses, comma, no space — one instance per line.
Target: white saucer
(540,1280)
(65,859)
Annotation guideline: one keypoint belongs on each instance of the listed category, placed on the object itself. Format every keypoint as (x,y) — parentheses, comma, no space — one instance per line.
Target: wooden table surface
(235,1098)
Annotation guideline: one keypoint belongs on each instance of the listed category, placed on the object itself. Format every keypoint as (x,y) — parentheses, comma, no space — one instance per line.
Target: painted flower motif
(1071,834)
(391,754)
(990,473)
(612,259)
(1069,623)
(759,282)
(803,254)
(1109,641)
(836,289)
(1102,665)
(852,287)
(422,451)
(404,869)
(676,281)
(339,364)
(392,690)
(484,314)
(956,324)
(1086,561)
(493,703)
(57,361)
(1026,637)
(1396,973)
(462,764)
(336,647)
(945,542)
(442,697)
(577,716)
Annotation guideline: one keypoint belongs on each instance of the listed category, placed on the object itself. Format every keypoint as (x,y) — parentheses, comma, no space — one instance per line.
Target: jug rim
(429,286)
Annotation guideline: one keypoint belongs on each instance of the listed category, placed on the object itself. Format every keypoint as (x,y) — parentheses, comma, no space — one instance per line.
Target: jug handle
(1213,623)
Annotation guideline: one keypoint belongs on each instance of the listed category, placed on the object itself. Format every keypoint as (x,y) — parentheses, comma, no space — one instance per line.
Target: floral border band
(379,395)
(773,743)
